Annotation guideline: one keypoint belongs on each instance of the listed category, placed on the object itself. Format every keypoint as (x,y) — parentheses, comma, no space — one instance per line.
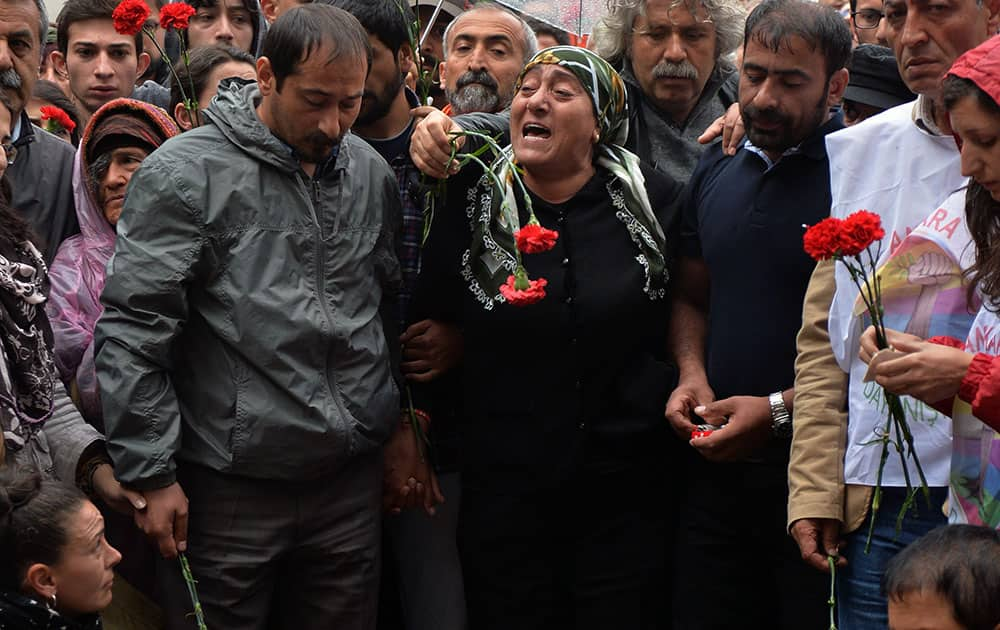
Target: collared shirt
(743,216)
(396,152)
(923,115)
(751,147)
(15,131)
(328,163)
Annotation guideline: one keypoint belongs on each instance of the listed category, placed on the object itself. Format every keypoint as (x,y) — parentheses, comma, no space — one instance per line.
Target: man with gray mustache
(477,91)
(41,170)
(484,51)
(672,55)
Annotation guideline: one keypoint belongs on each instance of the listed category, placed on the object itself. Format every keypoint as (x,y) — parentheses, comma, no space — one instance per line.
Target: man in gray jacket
(243,360)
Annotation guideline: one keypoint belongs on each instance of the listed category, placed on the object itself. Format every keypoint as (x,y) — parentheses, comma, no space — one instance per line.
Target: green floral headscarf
(493,212)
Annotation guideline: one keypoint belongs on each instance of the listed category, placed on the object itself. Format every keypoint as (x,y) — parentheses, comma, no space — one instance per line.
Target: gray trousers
(282,555)
(430,574)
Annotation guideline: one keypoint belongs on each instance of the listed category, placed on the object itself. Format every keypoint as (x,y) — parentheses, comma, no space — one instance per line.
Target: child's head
(947,580)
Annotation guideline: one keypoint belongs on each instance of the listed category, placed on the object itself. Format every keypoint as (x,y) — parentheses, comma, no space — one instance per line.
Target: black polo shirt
(744,218)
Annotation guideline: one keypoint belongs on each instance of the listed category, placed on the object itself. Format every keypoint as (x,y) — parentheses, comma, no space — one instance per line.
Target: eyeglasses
(11,151)
(867,18)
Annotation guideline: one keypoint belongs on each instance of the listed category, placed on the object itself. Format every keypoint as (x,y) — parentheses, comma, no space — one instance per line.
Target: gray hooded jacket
(242,328)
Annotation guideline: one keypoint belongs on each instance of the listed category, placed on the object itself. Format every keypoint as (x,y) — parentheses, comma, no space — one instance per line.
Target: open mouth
(534,130)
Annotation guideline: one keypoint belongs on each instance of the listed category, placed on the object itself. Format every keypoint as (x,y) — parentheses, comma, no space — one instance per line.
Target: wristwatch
(781,420)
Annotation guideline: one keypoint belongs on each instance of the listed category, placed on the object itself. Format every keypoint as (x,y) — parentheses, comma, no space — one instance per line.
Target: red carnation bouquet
(851,241)
(130,19)
(55,120)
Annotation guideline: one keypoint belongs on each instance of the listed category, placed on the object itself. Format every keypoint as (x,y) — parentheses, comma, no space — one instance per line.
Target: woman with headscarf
(119,136)
(962,378)
(565,499)
(39,426)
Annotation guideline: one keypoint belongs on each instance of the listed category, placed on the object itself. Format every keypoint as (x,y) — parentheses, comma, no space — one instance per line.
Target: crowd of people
(429,315)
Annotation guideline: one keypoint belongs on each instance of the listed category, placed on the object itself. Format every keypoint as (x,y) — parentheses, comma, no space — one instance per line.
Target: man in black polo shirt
(737,309)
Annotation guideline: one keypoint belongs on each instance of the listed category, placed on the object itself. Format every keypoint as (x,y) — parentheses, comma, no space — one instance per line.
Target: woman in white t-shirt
(962,378)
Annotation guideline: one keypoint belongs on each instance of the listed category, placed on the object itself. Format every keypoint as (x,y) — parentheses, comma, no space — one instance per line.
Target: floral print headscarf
(491,257)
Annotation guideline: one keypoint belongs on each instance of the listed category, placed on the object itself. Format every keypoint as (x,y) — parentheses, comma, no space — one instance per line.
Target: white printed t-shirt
(892,166)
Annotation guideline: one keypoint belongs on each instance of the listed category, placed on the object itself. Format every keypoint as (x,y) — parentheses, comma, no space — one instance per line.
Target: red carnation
(130,16)
(858,231)
(176,15)
(520,291)
(534,239)
(822,241)
(55,119)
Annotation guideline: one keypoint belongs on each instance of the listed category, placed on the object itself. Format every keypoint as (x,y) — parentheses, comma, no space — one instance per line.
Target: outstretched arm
(158,251)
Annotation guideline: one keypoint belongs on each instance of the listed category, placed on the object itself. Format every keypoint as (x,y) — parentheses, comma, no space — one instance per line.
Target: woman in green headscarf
(560,289)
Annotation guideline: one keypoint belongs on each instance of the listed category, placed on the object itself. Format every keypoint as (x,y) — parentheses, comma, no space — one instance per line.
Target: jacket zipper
(313,188)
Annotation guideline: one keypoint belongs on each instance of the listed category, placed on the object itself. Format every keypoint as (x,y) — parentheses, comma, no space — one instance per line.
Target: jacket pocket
(370,429)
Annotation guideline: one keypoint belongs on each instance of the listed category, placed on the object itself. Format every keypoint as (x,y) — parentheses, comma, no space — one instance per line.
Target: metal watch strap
(781,420)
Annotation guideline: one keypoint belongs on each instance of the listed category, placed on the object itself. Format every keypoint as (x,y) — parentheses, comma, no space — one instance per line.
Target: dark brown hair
(302,31)
(982,212)
(961,563)
(201,62)
(51,93)
(80,10)
(773,23)
(34,519)
(13,228)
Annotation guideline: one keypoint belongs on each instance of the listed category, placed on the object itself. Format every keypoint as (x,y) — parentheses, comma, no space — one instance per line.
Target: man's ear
(183,117)
(270,10)
(58,61)
(52,64)
(142,64)
(838,83)
(443,73)
(993,22)
(265,76)
(405,58)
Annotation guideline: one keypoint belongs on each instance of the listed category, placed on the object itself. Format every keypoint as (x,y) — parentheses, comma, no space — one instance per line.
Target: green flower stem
(441,186)
(490,144)
(877,494)
(190,104)
(423,443)
(192,591)
(516,172)
(170,65)
(832,560)
(896,432)
(424,76)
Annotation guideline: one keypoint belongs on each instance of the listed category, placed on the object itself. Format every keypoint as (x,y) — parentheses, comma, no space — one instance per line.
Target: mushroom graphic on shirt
(931,272)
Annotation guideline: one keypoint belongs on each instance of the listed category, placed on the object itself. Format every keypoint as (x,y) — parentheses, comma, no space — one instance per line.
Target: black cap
(875,78)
